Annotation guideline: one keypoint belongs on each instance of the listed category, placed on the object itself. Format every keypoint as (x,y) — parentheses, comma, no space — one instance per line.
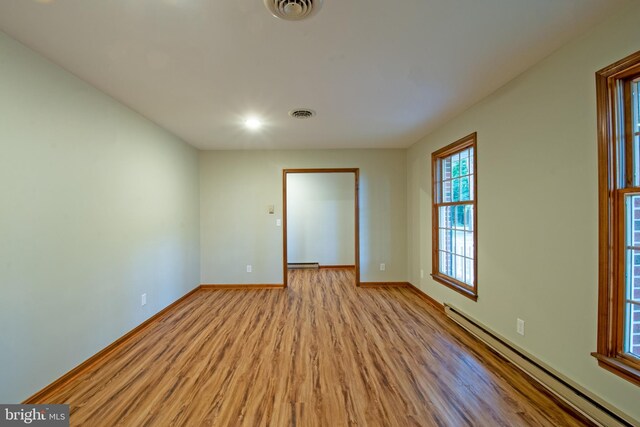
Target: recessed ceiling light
(253,123)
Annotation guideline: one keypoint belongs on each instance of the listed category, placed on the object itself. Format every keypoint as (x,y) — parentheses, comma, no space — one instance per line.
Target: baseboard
(99,356)
(580,399)
(381,284)
(336,266)
(90,362)
(427,298)
(228,287)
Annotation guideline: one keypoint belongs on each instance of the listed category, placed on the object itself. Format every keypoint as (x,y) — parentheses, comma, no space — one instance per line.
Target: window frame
(436,157)
(615,181)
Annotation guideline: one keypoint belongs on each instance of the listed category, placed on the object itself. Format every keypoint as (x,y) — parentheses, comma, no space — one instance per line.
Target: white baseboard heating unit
(303,266)
(582,400)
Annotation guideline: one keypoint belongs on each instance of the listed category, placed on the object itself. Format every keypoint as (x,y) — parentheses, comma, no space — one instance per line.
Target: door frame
(356,188)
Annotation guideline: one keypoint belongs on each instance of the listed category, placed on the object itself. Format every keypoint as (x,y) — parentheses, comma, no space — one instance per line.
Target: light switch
(272,209)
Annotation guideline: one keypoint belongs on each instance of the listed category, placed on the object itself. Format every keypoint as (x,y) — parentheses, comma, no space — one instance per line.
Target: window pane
(459,243)
(469,272)
(446,240)
(633,329)
(468,213)
(635,130)
(633,220)
(455,165)
(465,189)
(456,242)
(457,179)
(444,216)
(632,267)
(632,291)
(632,240)
(464,163)
(636,160)
(452,216)
(459,217)
(459,268)
(446,264)
(468,245)
(446,191)
(635,94)
(455,190)
(446,168)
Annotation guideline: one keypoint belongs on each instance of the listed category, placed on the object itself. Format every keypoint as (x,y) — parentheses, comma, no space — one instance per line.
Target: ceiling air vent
(302,113)
(293,10)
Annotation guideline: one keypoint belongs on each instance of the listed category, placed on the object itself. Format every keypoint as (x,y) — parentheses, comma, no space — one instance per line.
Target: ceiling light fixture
(293,10)
(253,123)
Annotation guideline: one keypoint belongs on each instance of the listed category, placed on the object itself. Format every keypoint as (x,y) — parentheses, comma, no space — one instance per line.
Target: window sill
(620,367)
(455,286)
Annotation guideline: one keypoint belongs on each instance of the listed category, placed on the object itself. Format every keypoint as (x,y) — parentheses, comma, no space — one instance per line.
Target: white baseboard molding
(582,400)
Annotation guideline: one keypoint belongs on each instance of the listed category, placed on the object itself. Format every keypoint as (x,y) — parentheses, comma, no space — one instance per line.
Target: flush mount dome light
(253,123)
(293,10)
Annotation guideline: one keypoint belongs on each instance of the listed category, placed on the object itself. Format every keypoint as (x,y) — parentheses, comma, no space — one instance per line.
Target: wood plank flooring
(319,353)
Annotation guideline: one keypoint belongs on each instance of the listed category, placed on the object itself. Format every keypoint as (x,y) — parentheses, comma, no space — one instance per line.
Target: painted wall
(537,207)
(320,218)
(236,229)
(97,206)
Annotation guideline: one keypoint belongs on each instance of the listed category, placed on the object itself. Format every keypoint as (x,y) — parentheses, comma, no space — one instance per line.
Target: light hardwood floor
(319,353)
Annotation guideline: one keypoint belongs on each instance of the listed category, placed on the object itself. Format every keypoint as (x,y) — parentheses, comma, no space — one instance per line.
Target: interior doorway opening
(320,220)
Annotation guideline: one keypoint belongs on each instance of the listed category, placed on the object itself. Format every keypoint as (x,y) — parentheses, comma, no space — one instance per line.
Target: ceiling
(378,73)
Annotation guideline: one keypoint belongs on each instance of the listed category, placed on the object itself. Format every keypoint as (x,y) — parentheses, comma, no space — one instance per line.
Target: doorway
(355,172)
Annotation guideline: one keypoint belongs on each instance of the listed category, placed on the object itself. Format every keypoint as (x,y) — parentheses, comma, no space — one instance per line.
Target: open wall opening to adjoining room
(320,219)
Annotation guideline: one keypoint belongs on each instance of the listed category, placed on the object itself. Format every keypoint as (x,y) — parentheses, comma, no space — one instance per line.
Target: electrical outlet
(383,267)
(143,300)
(278,222)
(249,268)
(422,274)
(520,326)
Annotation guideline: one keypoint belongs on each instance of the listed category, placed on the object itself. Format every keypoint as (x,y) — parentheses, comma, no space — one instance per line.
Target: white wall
(320,218)
(238,186)
(537,207)
(97,206)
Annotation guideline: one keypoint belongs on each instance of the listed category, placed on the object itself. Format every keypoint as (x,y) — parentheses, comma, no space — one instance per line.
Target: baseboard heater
(303,266)
(582,400)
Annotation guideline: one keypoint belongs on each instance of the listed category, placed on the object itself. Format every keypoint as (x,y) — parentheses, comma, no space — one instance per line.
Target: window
(619,218)
(454,216)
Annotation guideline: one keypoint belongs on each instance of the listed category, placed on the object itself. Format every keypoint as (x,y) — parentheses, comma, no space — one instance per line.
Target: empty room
(319,213)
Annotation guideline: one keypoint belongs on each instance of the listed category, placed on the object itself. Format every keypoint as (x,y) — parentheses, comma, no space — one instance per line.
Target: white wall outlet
(278,222)
(520,326)
(422,274)
(383,267)
(143,299)
(249,268)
